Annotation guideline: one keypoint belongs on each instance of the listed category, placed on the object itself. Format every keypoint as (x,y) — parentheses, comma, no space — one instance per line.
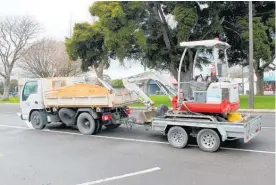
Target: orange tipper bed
(79,90)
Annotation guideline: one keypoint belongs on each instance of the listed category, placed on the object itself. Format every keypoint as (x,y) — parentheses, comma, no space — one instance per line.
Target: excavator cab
(210,89)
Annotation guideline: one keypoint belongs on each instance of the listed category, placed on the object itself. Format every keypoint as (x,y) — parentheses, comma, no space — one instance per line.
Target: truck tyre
(67,116)
(86,124)
(177,137)
(38,120)
(161,110)
(99,127)
(208,140)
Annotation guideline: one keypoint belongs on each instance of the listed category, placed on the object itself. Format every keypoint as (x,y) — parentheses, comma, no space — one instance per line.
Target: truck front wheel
(208,140)
(37,120)
(86,123)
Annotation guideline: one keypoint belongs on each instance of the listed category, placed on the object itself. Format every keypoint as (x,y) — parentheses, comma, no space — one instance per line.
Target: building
(269,84)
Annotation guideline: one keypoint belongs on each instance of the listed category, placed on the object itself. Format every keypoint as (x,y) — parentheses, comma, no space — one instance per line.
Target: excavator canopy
(205,44)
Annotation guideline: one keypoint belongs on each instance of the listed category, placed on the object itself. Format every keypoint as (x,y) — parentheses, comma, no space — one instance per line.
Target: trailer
(209,132)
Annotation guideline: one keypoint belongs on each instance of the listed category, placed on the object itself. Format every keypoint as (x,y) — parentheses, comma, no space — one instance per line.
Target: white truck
(90,113)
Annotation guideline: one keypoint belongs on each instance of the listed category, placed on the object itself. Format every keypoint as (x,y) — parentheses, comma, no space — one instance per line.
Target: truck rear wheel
(38,120)
(98,127)
(86,124)
(208,140)
(177,137)
(67,116)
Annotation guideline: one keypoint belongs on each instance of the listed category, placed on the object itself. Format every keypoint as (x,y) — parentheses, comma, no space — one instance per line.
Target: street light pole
(242,81)
(251,73)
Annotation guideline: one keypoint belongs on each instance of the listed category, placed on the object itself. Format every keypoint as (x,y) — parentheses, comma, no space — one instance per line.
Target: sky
(57,17)
(53,15)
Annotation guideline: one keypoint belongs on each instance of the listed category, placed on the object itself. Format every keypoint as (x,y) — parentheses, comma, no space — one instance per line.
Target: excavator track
(189,115)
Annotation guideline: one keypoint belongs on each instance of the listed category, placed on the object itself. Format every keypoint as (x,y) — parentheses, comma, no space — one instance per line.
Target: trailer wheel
(38,120)
(86,123)
(177,137)
(208,140)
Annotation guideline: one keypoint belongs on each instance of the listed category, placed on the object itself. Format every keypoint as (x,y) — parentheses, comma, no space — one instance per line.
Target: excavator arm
(165,86)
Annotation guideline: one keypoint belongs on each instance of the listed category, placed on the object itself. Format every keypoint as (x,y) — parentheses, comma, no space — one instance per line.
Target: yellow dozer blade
(234,117)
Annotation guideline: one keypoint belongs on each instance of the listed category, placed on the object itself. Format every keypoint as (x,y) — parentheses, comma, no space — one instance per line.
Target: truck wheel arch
(40,110)
(88,110)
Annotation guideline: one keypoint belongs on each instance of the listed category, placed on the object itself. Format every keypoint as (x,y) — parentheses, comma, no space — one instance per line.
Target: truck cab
(31,98)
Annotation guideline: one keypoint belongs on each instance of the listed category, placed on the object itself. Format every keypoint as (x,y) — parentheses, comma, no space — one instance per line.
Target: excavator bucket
(146,116)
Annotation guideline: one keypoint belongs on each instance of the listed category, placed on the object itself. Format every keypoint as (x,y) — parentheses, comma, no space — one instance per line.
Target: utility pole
(242,81)
(70,26)
(251,73)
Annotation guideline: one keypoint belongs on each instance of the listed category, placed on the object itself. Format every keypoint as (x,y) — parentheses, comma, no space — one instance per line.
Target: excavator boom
(165,86)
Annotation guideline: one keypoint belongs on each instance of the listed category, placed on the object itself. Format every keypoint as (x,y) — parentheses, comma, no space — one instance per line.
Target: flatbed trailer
(209,132)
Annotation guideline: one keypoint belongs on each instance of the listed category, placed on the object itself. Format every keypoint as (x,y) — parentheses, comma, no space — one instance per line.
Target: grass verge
(260,102)
(11,100)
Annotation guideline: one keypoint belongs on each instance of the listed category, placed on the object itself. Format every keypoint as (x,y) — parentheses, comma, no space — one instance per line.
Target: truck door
(30,99)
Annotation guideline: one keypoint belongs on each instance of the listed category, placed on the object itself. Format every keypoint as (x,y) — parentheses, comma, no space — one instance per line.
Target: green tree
(263,35)
(154,40)
(117,83)
(111,37)
(87,43)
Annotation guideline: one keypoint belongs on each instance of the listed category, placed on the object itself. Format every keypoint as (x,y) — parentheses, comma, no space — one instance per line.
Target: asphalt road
(59,156)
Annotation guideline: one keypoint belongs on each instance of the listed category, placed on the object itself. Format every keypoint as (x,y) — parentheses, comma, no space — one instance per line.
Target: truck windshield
(30,88)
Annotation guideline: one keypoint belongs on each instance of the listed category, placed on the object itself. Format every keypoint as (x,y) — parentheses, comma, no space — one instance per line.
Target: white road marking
(8,113)
(247,150)
(18,114)
(269,127)
(29,124)
(10,126)
(244,150)
(109,137)
(137,140)
(121,176)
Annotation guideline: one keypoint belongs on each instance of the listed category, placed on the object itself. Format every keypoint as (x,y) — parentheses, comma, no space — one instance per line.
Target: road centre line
(121,176)
(135,140)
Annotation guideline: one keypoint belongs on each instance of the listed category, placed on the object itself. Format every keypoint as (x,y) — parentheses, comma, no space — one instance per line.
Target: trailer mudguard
(222,133)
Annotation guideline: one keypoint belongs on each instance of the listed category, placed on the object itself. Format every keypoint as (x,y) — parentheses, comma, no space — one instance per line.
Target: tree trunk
(99,72)
(6,88)
(99,69)
(146,87)
(260,82)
